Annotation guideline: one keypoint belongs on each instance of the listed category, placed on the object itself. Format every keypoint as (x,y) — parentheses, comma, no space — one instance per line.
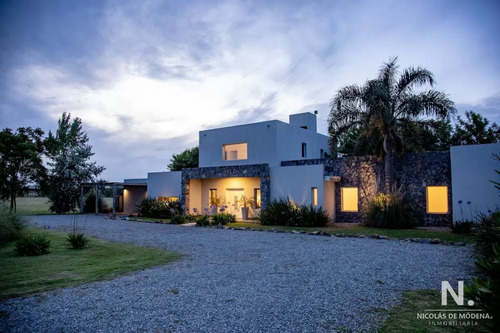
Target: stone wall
(413,172)
(252,170)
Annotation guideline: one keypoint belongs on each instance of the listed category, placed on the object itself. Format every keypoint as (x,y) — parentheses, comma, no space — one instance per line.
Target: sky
(146,76)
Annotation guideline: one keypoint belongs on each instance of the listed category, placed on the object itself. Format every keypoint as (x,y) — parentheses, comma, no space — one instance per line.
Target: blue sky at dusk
(146,76)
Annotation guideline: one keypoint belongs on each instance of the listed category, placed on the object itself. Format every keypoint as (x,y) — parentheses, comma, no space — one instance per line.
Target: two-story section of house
(244,162)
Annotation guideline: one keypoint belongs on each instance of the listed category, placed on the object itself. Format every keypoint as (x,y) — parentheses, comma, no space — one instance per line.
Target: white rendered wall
(295,182)
(267,142)
(167,184)
(290,139)
(260,137)
(472,169)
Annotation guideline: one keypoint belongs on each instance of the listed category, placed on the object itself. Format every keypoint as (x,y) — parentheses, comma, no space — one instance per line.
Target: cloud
(140,73)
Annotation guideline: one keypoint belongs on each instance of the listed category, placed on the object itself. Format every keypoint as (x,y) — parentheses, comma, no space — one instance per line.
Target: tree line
(67,155)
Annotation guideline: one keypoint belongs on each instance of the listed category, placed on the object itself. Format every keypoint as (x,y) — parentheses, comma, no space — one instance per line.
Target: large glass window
(349,199)
(213,197)
(314,196)
(234,151)
(437,199)
(257,198)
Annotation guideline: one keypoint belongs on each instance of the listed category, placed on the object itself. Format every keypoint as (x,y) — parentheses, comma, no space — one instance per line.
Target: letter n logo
(446,288)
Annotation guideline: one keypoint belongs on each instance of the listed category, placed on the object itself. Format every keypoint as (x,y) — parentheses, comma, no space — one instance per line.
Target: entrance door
(233,196)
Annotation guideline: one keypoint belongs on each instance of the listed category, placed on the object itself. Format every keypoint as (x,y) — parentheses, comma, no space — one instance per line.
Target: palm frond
(429,103)
(412,77)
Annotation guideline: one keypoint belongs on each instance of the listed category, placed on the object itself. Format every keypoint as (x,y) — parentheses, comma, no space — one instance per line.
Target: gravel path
(239,281)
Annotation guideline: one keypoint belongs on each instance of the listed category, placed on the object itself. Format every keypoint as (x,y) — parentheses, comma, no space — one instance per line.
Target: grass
(140,218)
(65,267)
(404,317)
(393,233)
(32,206)
(40,205)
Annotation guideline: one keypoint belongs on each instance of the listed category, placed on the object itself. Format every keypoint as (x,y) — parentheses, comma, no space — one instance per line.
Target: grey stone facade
(413,172)
(251,170)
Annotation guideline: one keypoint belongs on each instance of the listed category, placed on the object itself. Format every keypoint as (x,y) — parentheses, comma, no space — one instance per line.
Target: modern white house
(273,159)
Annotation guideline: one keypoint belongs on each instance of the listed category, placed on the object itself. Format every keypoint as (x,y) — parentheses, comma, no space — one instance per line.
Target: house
(273,159)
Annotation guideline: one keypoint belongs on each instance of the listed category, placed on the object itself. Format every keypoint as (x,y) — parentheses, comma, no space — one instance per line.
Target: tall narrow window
(304,149)
(314,196)
(349,199)
(257,197)
(321,153)
(234,151)
(213,197)
(437,199)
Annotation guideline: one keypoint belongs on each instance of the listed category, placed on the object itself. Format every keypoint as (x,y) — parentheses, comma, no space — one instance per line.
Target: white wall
(295,182)
(166,184)
(260,137)
(268,142)
(472,168)
(290,139)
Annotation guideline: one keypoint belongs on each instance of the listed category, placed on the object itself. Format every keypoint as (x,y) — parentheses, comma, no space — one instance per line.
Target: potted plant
(215,203)
(245,204)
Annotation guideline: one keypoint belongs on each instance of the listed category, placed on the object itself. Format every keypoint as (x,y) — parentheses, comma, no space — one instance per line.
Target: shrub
(89,205)
(223,218)
(462,228)
(286,213)
(488,234)
(202,221)
(486,290)
(77,240)
(33,245)
(11,225)
(279,212)
(178,219)
(311,216)
(153,208)
(390,211)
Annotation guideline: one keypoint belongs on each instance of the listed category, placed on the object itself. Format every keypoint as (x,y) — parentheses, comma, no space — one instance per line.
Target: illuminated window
(256,195)
(213,197)
(304,149)
(167,199)
(235,151)
(349,199)
(314,196)
(437,199)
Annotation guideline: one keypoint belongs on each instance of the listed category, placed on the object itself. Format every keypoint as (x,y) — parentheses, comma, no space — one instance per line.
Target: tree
(384,104)
(187,159)
(475,130)
(69,153)
(20,162)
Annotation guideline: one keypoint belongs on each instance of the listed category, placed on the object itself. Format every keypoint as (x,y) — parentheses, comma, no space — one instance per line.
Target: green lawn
(404,317)
(40,205)
(65,267)
(32,205)
(393,233)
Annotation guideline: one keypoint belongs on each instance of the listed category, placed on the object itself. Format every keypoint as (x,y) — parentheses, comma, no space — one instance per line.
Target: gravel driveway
(239,281)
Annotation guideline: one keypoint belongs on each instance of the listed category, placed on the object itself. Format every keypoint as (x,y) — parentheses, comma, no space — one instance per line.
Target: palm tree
(384,104)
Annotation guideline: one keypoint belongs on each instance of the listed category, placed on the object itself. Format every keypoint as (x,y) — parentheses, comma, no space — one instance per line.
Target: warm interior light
(314,196)
(349,199)
(437,199)
(235,151)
